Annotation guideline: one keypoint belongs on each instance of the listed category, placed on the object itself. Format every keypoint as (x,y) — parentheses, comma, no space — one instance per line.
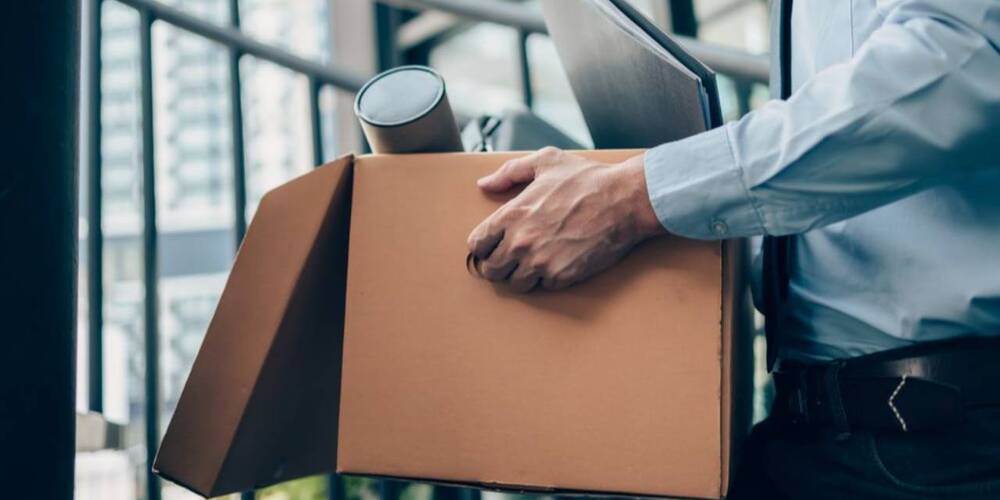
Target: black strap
(777,250)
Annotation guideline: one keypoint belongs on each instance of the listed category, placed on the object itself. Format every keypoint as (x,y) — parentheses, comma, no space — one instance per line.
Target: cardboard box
(622,384)
(619,384)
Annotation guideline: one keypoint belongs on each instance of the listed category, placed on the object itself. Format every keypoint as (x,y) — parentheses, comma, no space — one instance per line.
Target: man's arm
(919,102)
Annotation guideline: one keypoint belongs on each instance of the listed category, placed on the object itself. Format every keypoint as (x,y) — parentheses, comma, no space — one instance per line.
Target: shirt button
(719,227)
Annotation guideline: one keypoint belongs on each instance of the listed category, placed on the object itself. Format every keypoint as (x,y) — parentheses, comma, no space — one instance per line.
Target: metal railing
(744,68)
(238,45)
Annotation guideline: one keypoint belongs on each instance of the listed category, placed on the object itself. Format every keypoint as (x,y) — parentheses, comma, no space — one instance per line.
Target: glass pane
(328,118)
(417,491)
(119,474)
(194,173)
(171,491)
(103,475)
(360,488)
(480,69)
(276,127)
(82,329)
(298,26)
(307,488)
(496,495)
(741,25)
(554,99)
(728,100)
(122,225)
(187,302)
(194,201)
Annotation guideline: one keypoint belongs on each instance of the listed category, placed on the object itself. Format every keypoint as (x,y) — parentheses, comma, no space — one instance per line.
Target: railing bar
(315,121)
(387,22)
(95,233)
(149,254)
(239,156)
(682,17)
(334,487)
(236,125)
(743,92)
(732,62)
(510,14)
(390,489)
(524,67)
(327,74)
(454,493)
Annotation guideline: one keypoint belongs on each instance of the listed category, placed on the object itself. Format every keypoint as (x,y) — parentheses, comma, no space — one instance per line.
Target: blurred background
(193,109)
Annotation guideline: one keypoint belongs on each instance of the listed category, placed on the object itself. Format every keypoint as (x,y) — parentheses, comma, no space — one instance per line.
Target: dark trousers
(784,461)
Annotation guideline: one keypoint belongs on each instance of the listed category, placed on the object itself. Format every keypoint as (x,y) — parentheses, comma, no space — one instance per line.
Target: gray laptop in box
(636,87)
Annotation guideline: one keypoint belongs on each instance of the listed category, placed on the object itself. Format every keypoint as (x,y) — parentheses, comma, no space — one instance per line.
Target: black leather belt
(925,386)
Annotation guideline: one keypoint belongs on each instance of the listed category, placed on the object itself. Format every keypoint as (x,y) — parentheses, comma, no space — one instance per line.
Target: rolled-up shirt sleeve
(917,103)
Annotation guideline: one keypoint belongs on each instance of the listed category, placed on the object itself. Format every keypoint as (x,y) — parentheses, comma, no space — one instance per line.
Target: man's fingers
(556,282)
(485,238)
(523,280)
(500,264)
(517,171)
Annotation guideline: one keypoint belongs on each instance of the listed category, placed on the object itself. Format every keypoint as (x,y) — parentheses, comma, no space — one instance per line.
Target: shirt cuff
(697,188)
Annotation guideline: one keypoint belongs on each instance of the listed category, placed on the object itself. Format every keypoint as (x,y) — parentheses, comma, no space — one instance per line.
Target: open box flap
(260,404)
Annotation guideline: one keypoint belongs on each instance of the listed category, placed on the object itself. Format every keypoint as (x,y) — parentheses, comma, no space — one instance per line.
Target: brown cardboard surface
(622,384)
(260,404)
(737,345)
(618,384)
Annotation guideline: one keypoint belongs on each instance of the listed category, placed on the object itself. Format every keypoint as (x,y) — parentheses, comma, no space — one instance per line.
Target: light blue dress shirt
(885,161)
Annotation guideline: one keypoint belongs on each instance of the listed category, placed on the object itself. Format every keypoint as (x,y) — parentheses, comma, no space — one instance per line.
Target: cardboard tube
(406,110)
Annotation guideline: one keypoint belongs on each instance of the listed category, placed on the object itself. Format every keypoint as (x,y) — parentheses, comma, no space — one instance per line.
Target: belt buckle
(797,400)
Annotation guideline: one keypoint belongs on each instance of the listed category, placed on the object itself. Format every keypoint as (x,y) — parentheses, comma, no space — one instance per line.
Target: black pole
(335,487)
(316,121)
(239,158)
(455,493)
(683,19)
(149,255)
(387,21)
(743,91)
(390,489)
(38,257)
(95,233)
(236,124)
(524,69)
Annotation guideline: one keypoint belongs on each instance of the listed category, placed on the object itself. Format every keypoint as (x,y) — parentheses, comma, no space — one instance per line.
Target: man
(882,166)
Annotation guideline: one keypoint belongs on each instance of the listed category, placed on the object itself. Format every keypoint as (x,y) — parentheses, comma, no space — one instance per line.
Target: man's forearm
(632,183)
(915,105)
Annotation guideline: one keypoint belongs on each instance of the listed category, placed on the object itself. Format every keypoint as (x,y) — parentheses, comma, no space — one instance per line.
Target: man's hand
(575,218)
